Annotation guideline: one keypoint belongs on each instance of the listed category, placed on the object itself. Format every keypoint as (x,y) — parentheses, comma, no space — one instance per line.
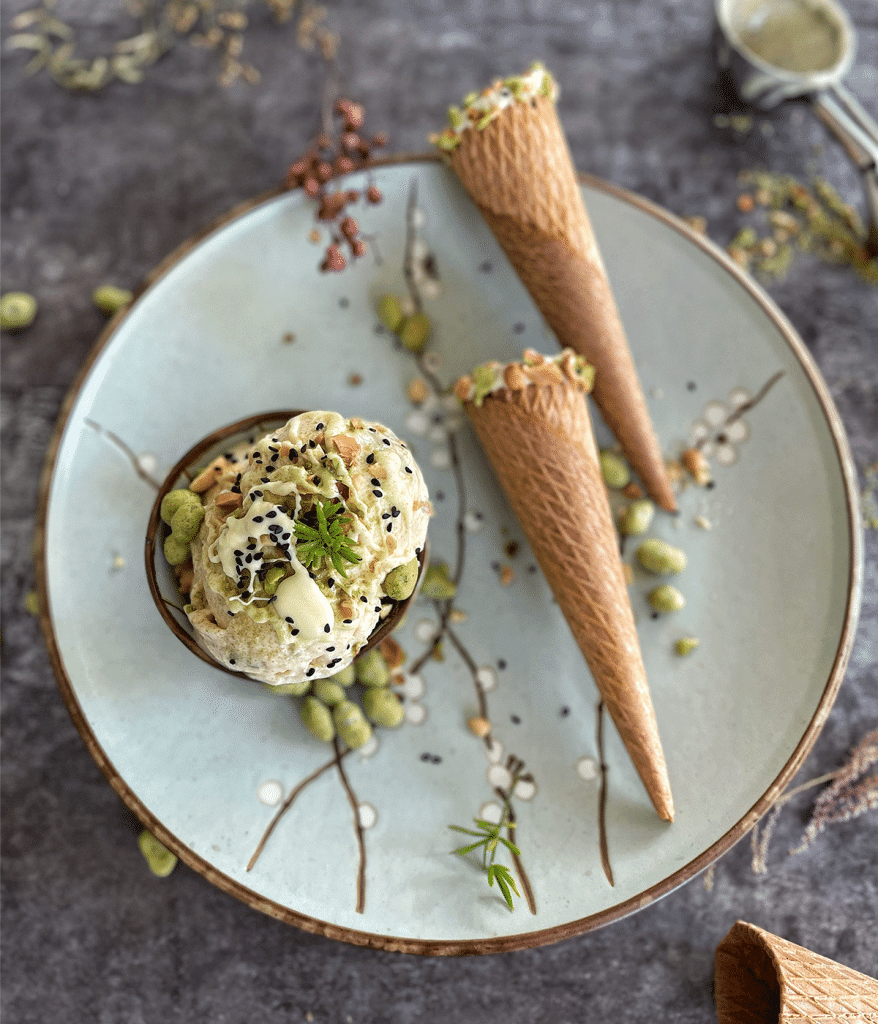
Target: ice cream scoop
(282,543)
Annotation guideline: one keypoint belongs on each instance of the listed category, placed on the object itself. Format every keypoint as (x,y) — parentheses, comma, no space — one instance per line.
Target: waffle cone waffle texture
(760,978)
(518,171)
(540,443)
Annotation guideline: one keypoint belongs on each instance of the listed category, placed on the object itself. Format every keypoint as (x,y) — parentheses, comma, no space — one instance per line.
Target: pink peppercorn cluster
(329,157)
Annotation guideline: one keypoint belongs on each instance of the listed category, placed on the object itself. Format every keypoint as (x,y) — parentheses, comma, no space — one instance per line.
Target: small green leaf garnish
(488,837)
(327,540)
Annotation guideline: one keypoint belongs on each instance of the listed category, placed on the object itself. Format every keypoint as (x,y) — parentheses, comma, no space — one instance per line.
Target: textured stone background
(100,188)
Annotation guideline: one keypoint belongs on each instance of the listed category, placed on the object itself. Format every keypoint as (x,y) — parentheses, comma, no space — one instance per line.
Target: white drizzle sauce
(299,598)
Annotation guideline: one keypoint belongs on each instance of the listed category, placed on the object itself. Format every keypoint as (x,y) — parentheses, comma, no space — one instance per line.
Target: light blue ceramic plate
(362,853)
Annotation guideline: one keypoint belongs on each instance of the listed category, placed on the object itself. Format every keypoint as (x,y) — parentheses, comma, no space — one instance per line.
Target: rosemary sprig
(327,540)
(489,839)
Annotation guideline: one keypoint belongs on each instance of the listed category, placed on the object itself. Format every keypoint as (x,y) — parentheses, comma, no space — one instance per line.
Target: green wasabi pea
(661,558)
(174,500)
(109,299)
(328,691)
(176,550)
(390,312)
(272,578)
(159,858)
(317,719)
(400,582)
(666,599)
(17,311)
(637,518)
(414,332)
(614,470)
(685,645)
(351,724)
(346,677)
(289,689)
(371,669)
(186,522)
(437,582)
(383,707)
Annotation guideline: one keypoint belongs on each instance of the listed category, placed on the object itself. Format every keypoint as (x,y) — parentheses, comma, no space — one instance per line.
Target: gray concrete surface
(101,187)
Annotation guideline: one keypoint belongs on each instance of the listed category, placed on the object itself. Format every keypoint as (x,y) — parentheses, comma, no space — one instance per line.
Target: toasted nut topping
(229,499)
(696,465)
(347,447)
(479,726)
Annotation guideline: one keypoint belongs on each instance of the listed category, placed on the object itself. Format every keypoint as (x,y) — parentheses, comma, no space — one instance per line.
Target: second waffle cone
(540,443)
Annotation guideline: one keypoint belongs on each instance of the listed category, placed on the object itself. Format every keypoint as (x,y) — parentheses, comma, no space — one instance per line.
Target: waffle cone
(518,171)
(760,978)
(540,443)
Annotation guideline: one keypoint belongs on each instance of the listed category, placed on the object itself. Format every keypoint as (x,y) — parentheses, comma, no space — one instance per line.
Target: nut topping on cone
(539,440)
(510,153)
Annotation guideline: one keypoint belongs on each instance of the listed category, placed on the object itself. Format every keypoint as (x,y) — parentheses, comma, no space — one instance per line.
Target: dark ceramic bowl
(160,575)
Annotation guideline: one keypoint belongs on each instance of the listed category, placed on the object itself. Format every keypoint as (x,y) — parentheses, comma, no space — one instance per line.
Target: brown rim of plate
(523,940)
(262,422)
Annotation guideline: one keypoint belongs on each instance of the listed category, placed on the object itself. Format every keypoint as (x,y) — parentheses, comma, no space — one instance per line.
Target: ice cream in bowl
(283,546)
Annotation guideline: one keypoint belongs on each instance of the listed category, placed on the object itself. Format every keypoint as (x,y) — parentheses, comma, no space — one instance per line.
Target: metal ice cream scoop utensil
(778,50)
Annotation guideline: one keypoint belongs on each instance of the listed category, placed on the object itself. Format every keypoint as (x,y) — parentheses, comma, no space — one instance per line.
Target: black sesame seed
(710,484)
(485,267)
(376,482)
(347,622)
(425,757)
(327,628)
(330,582)
(364,599)
(257,519)
(245,594)
(370,458)
(654,615)
(407,469)
(386,441)
(436,759)
(294,632)
(501,663)
(231,661)
(385,515)
(389,527)
(515,719)
(565,711)
(440,496)
(378,494)
(329,650)
(518,328)
(310,672)
(270,469)
(312,443)
(691,386)
(320,426)
(257,494)
(289,619)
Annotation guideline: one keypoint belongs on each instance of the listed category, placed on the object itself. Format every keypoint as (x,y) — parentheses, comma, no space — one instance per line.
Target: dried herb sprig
(798,218)
(217,25)
(488,838)
(326,541)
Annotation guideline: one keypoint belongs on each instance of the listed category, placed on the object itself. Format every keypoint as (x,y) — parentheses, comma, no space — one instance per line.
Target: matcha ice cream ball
(300,532)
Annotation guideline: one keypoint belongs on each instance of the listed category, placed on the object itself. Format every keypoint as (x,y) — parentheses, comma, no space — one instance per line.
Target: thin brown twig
(602,799)
(358,829)
(285,806)
(516,860)
(120,444)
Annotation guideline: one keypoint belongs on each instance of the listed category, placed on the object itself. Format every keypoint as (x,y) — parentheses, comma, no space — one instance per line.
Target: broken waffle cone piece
(510,153)
(537,435)
(760,978)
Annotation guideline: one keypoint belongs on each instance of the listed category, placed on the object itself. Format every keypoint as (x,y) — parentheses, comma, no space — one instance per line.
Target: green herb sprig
(327,540)
(489,839)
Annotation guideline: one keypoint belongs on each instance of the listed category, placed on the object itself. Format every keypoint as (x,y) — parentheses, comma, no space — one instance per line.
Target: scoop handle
(861,146)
